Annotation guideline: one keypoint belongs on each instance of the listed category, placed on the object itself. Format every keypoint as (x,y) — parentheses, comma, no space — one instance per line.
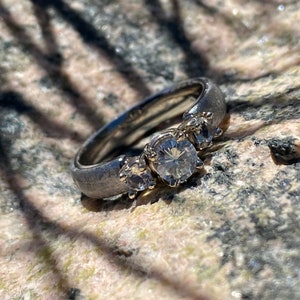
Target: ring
(108,164)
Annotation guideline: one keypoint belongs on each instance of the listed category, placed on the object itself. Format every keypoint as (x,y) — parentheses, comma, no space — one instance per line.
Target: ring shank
(96,166)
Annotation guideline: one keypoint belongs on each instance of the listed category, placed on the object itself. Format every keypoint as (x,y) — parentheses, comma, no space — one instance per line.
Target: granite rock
(68,67)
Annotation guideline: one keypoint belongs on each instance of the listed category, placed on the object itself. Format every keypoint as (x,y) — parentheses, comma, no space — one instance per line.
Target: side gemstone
(202,137)
(136,175)
(199,130)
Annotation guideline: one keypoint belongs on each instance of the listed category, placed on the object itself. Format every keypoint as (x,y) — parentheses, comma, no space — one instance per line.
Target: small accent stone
(203,137)
(176,160)
(199,130)
(137,175)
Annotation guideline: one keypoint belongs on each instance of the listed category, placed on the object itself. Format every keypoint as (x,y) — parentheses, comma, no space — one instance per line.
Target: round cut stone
(203,137)
(137,175)
(176,160)
(199,131)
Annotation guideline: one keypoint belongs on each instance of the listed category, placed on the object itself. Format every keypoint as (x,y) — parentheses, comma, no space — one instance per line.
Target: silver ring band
(98,168)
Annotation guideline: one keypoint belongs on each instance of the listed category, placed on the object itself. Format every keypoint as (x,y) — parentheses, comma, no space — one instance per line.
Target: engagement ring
(108,163)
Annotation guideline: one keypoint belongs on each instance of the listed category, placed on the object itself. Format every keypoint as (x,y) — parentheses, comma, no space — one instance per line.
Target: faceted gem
(199,131)
(136,175)
(176,160)
(203,137)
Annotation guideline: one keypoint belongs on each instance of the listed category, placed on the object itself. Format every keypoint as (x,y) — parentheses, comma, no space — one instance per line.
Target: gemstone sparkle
(137,175)
(176,160)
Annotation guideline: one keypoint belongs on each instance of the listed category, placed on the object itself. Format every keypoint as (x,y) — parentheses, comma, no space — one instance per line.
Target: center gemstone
(176,160)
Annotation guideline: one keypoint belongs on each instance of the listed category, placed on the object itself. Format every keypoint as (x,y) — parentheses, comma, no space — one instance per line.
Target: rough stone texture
(69,66)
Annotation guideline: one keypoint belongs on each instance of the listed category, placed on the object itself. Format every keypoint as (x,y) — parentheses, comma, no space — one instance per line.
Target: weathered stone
(232,233)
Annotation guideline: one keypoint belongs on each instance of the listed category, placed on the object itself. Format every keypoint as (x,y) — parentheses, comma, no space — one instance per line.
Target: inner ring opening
(161,110)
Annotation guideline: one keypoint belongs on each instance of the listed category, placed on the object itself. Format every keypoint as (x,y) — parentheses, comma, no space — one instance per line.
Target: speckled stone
(232,232)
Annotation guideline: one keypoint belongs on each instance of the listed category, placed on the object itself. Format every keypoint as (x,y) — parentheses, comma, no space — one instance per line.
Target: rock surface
(69,66)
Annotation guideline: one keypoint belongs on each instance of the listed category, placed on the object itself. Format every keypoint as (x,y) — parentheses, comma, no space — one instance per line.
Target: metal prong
(122,177)
(191,122)
(218,132)
(172,182)
(152,157)
(152,185)
(147,150)
(209,144)
(149,153)
(208,115)
(205,145)
(132,194)
(141,167)
(123,160)
(180,135)
(199,165)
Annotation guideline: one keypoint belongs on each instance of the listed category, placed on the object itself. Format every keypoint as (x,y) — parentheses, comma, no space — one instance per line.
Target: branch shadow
(279,100)
(51,47)
(276,104)
(123,202)
(231,21)
(195,63)
(51,61)
(33,217)
(51,66)
(267,10)
(15,101)
(39,223)
(98,41)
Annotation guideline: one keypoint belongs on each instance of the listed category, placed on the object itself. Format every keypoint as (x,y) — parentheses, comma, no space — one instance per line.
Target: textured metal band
(96,166)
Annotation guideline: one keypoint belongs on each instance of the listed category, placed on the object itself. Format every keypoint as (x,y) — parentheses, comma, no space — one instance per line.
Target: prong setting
(150,153)
(171,156)
(152,186)
(136,174)
(122,177)
(172,182)
(199,130)
(122,160)
(180,135)
(208,115)
(199,165)
(218,132)
(132,194)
